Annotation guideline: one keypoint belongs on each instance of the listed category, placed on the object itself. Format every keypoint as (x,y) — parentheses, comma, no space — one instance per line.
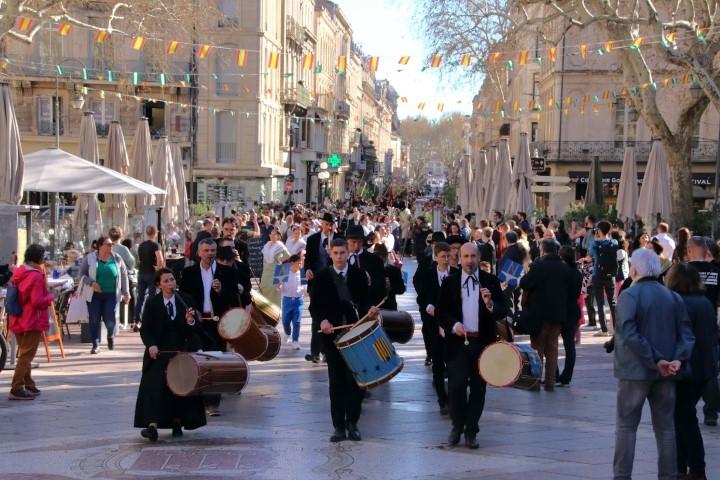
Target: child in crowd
(292,291)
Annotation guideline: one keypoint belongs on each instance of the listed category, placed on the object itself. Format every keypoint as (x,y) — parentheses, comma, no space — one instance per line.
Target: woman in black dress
(167,326)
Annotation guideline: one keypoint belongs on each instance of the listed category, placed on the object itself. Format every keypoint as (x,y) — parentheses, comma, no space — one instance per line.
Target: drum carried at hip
(503,364)
(248,337)
(201,373)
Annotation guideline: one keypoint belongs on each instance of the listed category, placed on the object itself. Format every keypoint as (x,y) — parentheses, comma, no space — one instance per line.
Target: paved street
(81,426)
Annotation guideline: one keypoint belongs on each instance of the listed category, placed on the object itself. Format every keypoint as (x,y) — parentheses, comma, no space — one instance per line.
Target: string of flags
(668,39)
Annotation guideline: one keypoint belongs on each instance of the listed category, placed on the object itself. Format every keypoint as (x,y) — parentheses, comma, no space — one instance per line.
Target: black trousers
(439,368)
(602,286)
(711,397)
(462,364)
(568,338)
(345,396)
(690,448)
(429,325)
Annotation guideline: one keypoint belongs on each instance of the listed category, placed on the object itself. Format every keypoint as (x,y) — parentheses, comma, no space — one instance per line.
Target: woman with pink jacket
(34,298)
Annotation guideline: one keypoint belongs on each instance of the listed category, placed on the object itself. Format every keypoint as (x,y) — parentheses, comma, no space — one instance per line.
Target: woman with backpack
(28,318)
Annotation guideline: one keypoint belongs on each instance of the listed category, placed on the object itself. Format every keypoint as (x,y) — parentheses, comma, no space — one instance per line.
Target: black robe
(155,403)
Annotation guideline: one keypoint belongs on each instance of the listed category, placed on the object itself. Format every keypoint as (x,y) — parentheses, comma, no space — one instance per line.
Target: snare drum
(243,334)
(503,364)
(206,373)
(369,355)
(264,311)
(274,341)
(399,326)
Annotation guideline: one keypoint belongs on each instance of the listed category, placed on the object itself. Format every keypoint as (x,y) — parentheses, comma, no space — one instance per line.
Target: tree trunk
(679,156)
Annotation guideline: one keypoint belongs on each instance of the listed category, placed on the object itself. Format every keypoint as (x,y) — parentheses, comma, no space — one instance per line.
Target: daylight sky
(387,28)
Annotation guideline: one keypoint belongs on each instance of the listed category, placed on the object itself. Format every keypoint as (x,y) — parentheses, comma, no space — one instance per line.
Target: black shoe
(21,394)
(111,343)
(95,350)
(312,358)
(454,437)
(354,433)
(471,442)
(338,435)
(428,361)
(444,410)
(136,328)
(150,433)
(177,431)
(212,412)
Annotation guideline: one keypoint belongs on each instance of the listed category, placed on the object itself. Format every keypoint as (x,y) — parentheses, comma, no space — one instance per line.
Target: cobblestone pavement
(81,426)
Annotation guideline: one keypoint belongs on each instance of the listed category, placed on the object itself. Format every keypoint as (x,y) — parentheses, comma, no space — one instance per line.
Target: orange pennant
(241,57)
(273,60)
(436,60)
(138,43)
(523,57)
(583,51)
(64,29)
(24,24)
(404,60)
(101,36)
(552,53)
(373,63)
(203,51)
(308,61)
(172,47)
(465,60)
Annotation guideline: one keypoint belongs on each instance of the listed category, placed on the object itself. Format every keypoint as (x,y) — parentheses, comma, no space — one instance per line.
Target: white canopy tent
(55,170)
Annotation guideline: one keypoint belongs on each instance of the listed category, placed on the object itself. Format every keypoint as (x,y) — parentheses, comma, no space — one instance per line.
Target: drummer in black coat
(340,297)
(227,255)
(469,305)
(393,278)
(167,325)
(366,261)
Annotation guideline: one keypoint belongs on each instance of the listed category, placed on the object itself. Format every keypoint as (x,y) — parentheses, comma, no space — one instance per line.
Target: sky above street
(389,29)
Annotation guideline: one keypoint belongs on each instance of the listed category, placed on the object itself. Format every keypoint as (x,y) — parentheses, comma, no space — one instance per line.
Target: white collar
(343,271)
(213,267)
(446,272)
(464,276)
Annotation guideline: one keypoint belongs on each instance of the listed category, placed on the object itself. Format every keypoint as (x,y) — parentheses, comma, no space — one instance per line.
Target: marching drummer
(340,297)
(167,326)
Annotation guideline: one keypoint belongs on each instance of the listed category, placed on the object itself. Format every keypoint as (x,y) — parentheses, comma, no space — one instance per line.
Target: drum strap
(344,294)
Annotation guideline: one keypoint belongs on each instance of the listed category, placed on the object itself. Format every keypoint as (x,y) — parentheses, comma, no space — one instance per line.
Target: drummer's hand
(216,285)
(308,275)
(373,312)
(430,310)
(486,295)
(459,329)
(126,298)
(153,352)
(326,327)
(190,316)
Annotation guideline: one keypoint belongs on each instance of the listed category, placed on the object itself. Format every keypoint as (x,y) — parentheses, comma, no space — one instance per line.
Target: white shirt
(667,243)
(470,302)
(389,242)
(293,287)
(171,301)
(295,247)
(207,279)
(440,276)
(355,258)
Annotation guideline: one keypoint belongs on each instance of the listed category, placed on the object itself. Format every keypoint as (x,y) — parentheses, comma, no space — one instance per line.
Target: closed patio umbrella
(478,174)
(594,193)
(487,181)
(655,191)
(140,155)
(465,184)
(88,218)
(116,208)
(163,175)
(521,197)
(11,156)
(627,200)
(183,207)
(501,178)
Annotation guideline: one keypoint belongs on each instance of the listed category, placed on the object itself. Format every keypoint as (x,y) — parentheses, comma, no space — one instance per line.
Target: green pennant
(596,99)
(162,78)
(502,113)
(319,68)
(84,73)
(109,75)
(634,90)
(509,65)
(135,78)
(187,78)
(538,60)
(59,69)
(653,85)
(287,75)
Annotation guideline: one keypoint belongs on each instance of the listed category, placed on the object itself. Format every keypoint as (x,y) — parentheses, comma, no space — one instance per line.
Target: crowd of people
(476,280)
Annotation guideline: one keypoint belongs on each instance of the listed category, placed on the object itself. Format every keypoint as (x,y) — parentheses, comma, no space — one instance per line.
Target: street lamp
(292,135)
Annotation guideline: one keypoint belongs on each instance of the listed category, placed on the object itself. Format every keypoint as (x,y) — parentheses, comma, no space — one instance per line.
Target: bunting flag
(669,39)
(24,24)
(308,61)
(241,58)
(273,60)
(101,36)
(498,105)
(404,60)
(552,54)
(441,107)
(586,98)
(531,104)
(172,47)
(373,63)
(137,43)
(583,51)
(608,46)
(436,61)
(162,78)
(516,106)
(421,106)
(203,51)
(666,82)
(342,64)
(523,57)
(135,78)
(64,29)
(465,60)
(636,43)
(494,57)
(404,99)
(606,95)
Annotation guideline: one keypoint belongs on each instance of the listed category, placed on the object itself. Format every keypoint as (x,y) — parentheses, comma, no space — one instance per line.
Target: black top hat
(328,217)
(455,239)
(355,232)
(438,237)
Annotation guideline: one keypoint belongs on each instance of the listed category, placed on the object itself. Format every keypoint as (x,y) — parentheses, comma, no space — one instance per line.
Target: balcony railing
(342,110)
(294,30)
(612,152)
(225,152)
(298,95)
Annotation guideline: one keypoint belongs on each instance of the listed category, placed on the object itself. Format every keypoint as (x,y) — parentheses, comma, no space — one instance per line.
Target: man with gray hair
(653,338)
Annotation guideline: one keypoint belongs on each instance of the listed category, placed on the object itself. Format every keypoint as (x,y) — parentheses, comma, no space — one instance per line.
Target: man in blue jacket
(653,338)
(603,251)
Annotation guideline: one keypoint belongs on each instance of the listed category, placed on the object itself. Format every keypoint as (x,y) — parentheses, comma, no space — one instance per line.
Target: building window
(625,130)
(155,112)
(225,137)
(102,55)
(226,82)
(47,115)
(229,16)
(534,132)
(104,113)
(696,136)
(181,123)
(535,86)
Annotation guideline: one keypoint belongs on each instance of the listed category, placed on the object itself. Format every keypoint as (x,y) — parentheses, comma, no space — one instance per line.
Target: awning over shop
(698,179)
(55,170)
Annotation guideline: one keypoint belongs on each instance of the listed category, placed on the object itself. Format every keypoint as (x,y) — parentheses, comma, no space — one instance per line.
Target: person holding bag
(104,272)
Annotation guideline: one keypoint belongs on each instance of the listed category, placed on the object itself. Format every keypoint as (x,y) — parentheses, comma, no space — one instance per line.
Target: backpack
(12,300)
(607,263)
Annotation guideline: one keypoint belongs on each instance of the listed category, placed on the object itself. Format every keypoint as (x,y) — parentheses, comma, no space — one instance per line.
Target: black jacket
(449,310)
(704,359)
(550,285)
(428,288)
(515,253)
(487,254)
(242,277)
(375,268)
(242,247)
(312,253)
(397,286)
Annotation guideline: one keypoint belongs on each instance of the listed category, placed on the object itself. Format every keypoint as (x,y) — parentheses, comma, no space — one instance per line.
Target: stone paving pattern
(81,425)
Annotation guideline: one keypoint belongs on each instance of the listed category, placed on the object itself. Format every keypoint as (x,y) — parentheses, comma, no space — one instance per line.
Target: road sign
(550,179)
(290,177)
(538,164)
(549,188)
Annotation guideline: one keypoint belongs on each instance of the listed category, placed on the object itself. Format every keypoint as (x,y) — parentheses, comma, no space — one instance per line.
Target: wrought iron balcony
(342,110)
(297,95)
(611,151)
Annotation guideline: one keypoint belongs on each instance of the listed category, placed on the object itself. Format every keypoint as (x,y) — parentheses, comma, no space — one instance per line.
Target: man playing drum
(340,297)
(167,325)
(469,304)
